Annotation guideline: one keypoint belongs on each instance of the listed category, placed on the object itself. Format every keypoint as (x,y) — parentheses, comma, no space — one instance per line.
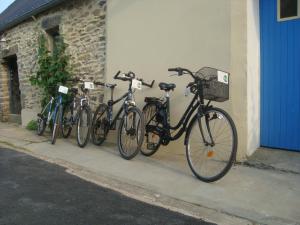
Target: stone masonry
(82,25)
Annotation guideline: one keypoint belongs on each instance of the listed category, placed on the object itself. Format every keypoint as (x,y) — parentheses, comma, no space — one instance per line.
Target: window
(288,9)
(53,38)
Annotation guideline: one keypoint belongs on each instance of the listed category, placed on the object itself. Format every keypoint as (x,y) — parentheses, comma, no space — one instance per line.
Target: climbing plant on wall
(53,68)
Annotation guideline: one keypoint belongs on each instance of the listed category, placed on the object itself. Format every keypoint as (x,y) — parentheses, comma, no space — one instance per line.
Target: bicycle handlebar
(127,76)
(181,71)
(105,84)
(147,85)
(130,76)
(99,83)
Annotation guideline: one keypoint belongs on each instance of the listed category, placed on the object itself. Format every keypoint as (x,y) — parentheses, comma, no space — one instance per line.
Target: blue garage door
(280,73)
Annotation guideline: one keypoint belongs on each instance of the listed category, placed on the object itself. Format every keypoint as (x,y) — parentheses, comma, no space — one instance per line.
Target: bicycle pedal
(151,146)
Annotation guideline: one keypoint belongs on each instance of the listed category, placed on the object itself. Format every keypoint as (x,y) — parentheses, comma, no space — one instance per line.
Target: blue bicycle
(51,115)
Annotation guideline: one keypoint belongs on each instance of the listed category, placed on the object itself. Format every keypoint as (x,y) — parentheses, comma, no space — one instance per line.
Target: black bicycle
(210,135)
(131,129)
(78,112)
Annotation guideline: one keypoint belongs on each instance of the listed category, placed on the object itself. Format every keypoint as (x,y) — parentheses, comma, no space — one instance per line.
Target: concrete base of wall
(14,118)
(27,115)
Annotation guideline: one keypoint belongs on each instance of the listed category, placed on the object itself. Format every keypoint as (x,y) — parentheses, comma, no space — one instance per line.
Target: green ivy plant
(32,125)
(53,68)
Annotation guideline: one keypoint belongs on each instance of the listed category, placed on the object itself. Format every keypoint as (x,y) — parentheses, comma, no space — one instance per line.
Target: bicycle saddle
(110,85)
(152,99)
(166,86)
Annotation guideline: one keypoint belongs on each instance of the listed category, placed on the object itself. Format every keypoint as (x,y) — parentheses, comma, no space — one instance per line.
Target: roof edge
(29,14)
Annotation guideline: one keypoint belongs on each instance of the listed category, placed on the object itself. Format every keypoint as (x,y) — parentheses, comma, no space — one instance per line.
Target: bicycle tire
(57,123)
(85,109)
(41,126)
(210,155)
(155,146)
(140,130)
(66,131)
(100,124)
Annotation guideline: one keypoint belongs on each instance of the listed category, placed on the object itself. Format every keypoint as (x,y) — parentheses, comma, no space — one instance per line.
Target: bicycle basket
(216,85)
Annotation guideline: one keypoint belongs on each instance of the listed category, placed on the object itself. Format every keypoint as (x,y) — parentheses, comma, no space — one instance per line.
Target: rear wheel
(56,125)
(83,126)
(67,121)
(131,133)
(152,140)
(41,126)
(211,160)
(100,125)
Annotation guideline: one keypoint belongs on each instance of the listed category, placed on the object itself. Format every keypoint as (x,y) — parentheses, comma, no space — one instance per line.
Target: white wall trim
(253,76)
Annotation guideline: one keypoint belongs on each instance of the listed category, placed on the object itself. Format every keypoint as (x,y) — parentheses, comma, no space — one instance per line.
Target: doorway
(14,86)
(280,74)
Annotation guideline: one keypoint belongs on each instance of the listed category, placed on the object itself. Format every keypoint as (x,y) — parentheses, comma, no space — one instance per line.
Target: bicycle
(131,128)
(206,133)
(50,116)
(78,112)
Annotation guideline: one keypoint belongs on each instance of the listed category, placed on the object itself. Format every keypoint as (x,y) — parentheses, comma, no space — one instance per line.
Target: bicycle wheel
(83,126)
(210,162)
(66,126)
(100,125)
(131,133)
(56,125)
(152,140)
(41,126)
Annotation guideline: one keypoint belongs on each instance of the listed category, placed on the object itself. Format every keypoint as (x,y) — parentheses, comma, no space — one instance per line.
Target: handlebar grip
(173,69)
(116,76)
(152,83)
(179,70)
(99,83)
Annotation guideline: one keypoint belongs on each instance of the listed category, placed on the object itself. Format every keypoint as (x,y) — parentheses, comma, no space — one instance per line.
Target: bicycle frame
(51,114)
(124,107)
(196,103)
(58,103)
(83,101)
(127,97)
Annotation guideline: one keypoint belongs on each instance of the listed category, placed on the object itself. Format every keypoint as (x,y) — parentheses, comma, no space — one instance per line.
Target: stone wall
(81,23)
(4,99)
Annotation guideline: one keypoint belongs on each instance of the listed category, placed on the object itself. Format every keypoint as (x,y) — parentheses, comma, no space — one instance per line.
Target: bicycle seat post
(167,97)
(112,93)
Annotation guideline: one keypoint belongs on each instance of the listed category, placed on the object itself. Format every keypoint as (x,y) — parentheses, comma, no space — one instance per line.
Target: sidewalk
(249,194)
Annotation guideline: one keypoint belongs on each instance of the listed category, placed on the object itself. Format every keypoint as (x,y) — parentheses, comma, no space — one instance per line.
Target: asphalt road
(35,192)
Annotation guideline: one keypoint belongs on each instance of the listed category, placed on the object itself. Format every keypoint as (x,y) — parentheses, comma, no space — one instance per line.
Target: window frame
(279,19)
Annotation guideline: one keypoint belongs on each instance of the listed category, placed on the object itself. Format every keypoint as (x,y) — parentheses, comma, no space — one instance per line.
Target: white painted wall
(149,36)
(253,76)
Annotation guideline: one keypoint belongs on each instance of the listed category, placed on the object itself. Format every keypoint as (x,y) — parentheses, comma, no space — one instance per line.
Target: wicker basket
(215,85)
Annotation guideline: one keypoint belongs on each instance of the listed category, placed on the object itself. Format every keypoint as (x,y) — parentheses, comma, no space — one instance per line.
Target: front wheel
(131,133)
(56,125)
(67,121)
(83,126)
(211,144)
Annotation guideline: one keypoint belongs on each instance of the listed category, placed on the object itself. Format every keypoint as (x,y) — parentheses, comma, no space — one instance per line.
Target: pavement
(258,191)
(56,197)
